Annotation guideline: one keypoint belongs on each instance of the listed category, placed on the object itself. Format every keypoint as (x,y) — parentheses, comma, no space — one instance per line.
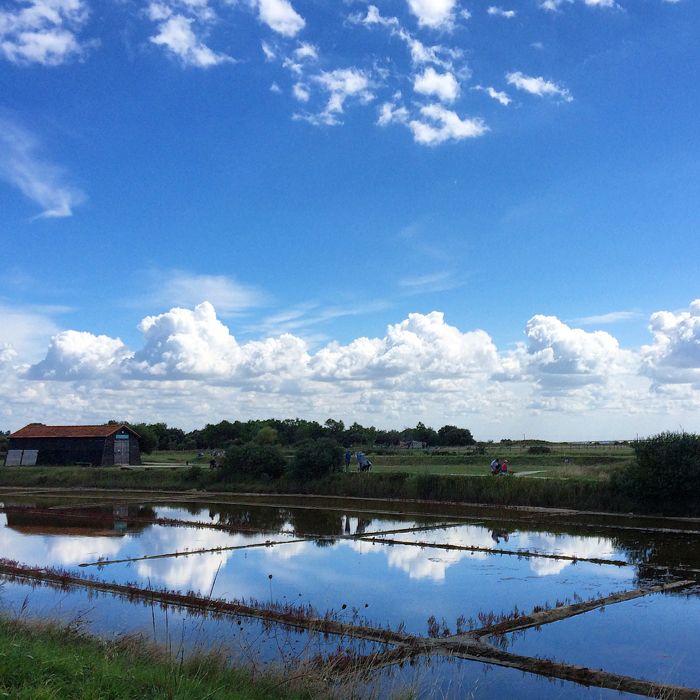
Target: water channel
(426,572)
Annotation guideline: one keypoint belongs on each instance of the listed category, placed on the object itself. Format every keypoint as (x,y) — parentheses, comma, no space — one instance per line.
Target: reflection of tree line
(657,549)
(328,525)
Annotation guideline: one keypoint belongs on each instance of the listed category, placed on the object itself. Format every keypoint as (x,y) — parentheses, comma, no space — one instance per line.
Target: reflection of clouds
(548,567)
(288,551)
(433,563)
(194,572)
(568,545)
(197,572)
(50,550)
(74,550)
(426,563)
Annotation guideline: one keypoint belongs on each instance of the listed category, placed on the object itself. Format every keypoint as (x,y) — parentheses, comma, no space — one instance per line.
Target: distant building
(98,445)
(414,444)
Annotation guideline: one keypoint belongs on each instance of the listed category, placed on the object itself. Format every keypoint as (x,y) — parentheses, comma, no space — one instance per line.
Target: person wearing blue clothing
(363,464)
(348,457)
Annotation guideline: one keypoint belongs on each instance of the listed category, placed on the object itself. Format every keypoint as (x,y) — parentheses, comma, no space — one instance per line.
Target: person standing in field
(348,457)
(495,466)
(504,467)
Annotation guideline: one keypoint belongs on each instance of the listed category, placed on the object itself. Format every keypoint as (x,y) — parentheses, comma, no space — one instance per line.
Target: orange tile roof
(39,430)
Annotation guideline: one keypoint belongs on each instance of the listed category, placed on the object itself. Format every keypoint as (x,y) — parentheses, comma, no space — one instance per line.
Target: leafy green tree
(335,428)
(452,436)
(148,440)
(316,458)
(266,436)
(665,475)
(425,434)
(387,437)
(253,460)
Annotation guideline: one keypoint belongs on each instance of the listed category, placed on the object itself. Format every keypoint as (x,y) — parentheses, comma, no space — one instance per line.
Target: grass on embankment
(577,494)
(47,662)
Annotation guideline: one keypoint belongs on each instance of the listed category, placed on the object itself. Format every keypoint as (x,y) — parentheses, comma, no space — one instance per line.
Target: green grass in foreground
(46,662)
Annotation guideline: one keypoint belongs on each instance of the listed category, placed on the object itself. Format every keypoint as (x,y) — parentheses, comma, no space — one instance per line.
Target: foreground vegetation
(43,662)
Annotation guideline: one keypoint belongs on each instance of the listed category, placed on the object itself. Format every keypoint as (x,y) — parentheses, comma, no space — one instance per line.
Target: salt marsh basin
(404,588)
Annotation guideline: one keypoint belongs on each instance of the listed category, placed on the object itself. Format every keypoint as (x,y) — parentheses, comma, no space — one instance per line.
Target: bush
(253,460)
(665,475)
(316,458)
(539,450)
(193,473)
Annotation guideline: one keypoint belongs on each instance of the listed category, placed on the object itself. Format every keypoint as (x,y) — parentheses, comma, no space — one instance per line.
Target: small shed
(98,445)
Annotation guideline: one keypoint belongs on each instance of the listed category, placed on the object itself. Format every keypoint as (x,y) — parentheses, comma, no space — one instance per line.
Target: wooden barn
(98,445)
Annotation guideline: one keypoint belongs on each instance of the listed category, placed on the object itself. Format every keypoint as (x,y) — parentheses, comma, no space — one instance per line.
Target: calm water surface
(387,583)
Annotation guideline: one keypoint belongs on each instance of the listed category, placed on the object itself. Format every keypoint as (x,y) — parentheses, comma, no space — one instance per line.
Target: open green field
(564,462)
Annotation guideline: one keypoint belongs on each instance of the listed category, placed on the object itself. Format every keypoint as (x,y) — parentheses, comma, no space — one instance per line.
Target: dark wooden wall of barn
(60,451)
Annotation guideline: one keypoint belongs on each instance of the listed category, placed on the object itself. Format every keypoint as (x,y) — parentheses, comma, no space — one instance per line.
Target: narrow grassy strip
(492,550)
(48,662)
(300,617)
(577,674)
(189,552)
(540,617)
(548,493)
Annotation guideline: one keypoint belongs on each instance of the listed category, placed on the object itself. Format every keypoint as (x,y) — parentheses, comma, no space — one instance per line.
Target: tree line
(292,431)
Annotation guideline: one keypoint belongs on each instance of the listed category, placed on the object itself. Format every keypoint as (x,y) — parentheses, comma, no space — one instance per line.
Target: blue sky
(500,199)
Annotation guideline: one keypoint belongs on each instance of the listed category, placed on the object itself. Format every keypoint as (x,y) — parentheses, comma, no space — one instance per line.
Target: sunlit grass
(48,662)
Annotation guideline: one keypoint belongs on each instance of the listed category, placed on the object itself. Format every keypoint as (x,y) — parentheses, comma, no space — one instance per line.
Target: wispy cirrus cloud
(498,95)
(340,84)
(538,86)
(38,179)
(25,330)
(182,288)
(312,313)
(433,282)
(607,318)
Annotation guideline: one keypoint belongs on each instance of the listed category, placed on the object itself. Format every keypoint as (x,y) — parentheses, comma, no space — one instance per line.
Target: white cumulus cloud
(561,358)
(422,345)
(439,124)
(280,16)
(187,343)
(674,355)
(437,14)
(177,35)
(496,11)
(444,86)
(80,355)
(43,31)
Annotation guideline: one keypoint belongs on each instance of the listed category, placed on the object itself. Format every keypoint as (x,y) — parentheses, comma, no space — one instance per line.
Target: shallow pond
(369,562)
